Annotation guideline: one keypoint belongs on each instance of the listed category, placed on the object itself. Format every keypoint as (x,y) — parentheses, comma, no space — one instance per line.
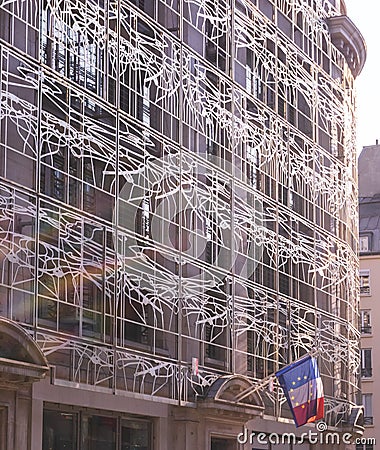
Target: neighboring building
(369,251)
(178,218)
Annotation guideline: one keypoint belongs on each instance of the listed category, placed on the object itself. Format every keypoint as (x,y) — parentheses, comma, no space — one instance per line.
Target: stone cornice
(348,39)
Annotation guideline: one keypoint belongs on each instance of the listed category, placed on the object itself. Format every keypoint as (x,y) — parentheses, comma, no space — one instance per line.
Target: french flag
(303,389)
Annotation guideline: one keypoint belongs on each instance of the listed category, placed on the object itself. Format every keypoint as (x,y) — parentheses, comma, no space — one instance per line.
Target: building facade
(178,218)
(369,248)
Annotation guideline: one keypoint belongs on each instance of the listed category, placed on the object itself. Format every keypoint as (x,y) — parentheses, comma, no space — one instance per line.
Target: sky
(365,15)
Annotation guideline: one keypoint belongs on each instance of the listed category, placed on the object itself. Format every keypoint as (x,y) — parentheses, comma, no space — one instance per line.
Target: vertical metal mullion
(118,432)
(116,204)
(103,300)
(37,181)
(81,283)
(78,430)
(231,342)
(180,137)
(277,274)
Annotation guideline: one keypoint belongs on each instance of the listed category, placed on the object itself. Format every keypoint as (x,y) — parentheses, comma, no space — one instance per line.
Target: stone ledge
(347,38)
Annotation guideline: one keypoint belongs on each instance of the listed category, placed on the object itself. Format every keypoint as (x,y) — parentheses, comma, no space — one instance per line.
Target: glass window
(364,447)
(363,244)
(365,322)
(367,403)
(267,8)
(71,51)
(223,444)
(135,435)
(365,288)
(59,431)
(62,429)
(99,433)
(366,362)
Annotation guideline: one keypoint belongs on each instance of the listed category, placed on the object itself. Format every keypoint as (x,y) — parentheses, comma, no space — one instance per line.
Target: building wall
(369,342)
(178,187)
(367,174)
(369,248)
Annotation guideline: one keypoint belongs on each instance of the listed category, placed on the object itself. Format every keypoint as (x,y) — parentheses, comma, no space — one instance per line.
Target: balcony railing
(365,290)
(366,329)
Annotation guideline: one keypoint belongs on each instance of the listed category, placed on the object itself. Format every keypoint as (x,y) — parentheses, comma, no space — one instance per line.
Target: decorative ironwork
(178,181)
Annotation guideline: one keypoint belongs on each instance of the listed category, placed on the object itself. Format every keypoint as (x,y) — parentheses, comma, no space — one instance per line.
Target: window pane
(367,402)
(365,322)
(366,362)
(363,244)
(135,435)
(222,444)
(367,358)
(364,282)
(59,431)
(99,433)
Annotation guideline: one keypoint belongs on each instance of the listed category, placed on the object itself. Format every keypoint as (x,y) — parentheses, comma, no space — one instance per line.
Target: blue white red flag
(303,389)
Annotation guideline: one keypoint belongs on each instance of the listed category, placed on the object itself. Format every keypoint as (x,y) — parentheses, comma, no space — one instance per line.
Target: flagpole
(252,389)
(267,380)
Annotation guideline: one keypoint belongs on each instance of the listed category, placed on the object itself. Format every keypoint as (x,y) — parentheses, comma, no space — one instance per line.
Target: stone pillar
(185,430)
(36,424)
